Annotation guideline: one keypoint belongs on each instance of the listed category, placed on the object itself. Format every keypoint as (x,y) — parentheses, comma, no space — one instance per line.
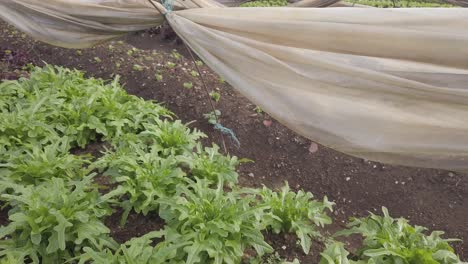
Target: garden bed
(433,198)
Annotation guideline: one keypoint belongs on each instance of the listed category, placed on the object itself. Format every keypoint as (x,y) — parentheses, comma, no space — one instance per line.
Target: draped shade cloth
(383,84)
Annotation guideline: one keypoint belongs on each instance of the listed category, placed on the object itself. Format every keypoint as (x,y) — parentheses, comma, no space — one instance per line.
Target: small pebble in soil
(283,247)
(313,147)
(267,123)
(348,178)
(251,175)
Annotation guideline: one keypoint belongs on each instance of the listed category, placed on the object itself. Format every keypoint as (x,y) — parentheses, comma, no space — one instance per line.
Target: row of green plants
(154,164)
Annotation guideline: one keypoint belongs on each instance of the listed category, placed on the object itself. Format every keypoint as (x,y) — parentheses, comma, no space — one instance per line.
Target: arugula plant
(272,259)
(56,102)
(143,177)
(213,116)
(209,164)
(296,212)
(214,226)
(138,250)
(54,221)
(216,96)
(173,137)
(388,241)
(33,164)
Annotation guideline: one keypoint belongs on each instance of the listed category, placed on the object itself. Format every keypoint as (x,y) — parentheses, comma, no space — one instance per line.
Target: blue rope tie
(227,131)
(168,4)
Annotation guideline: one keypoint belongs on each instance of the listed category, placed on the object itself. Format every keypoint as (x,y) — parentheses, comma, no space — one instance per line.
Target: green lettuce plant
(214,225)
(392,241)
(54,221)
(297,213)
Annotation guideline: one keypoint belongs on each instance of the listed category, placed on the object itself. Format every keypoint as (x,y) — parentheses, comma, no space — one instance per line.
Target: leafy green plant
(176,55)
(137,67)
(215,96)
(52,222)
(258,110)
(137,250)
(33,164)
(389,240)
(209,164)
(199,62)
(188,85)
(213,116)
(194,73)
(142,178)
(174,138)
(296,212)
(56,102)
(272,259)
(170,64)
(158,77)
(214,226)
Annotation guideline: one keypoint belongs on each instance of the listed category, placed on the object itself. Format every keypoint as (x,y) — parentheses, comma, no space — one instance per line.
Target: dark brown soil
(433,198)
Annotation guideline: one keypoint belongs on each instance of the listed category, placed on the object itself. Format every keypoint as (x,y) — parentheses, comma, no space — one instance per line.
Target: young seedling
(213,116)
(132,51)
(137,67)
(215,96)
(176,55)
(170,64)
(258,110)
(79,53)
(199,63)
(194,73)
(97,60)
(158,77)
(188,85)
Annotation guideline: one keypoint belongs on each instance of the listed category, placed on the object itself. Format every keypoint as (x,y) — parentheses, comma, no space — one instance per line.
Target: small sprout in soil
(199,63)
(137,67)
(188,85)
(194,73)
(221,80)
(97,60)
(111,48)
(215,96)
(154,53)
(170,64)
(79,53)
(213,116)
(258,110)
(158,77)
(176,55)
(117,65)
(7,52)
(120,42)
(132,51)
(148,58)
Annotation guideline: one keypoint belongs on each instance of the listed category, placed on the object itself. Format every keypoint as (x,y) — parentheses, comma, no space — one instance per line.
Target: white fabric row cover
(383,84)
